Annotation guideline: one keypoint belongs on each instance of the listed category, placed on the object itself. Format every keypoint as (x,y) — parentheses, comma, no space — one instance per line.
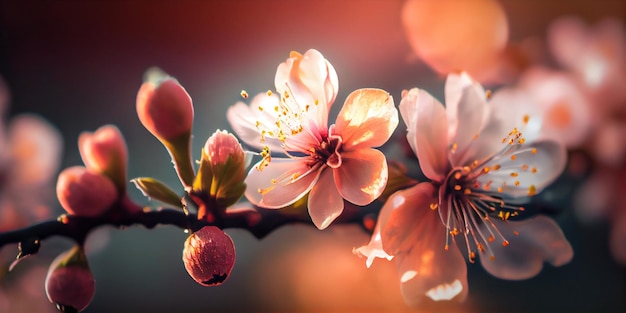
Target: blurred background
(79,65)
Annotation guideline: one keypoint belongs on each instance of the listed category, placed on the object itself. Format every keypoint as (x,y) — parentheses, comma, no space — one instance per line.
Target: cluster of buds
(165,109)
(93,189)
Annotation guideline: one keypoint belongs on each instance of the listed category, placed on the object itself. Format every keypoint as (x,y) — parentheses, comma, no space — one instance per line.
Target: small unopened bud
(104,151)
(70,283)
(85,193)
(164,107)
(209,256)
(223,147)
(222,169)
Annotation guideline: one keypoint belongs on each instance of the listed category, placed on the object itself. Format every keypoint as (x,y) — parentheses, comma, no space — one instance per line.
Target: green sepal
(224,183)
(157,190)
(179,149)
(74,257)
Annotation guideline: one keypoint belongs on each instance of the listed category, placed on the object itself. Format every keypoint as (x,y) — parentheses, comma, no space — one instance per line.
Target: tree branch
(259,223)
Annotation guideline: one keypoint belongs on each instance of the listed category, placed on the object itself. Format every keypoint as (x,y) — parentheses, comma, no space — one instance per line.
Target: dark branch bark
(259,223)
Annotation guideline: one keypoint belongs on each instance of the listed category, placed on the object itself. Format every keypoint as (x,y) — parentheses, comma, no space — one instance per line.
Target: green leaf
(155,189)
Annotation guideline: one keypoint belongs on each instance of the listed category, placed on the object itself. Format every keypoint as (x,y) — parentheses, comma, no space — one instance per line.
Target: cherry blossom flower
(597,54)
(331,163)
(481,168)
(557,106)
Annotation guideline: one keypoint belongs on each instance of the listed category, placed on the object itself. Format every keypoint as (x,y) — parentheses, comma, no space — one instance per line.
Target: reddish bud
(104,151)
(69,282)
(209,256)
(222,169)
(85,193)
(164,107)
(222,147)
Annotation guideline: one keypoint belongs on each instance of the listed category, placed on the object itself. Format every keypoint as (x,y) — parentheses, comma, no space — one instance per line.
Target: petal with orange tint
(362,177)
(428,269)
(280,184)
(367,119)
(402,218)
(427,131)
(539,239)
(325,203)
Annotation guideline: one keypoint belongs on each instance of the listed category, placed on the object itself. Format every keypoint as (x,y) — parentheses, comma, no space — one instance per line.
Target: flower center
(468,202)
(328,152)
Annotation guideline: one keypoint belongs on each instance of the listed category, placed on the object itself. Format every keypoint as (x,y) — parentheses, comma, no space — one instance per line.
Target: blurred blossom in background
(79,65)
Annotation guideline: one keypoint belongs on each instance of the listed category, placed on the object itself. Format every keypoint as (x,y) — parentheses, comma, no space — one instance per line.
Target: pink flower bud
(222,171)
(69,282)
(164,107)
(209,256)
(104,151)
(85,193)
(221,148)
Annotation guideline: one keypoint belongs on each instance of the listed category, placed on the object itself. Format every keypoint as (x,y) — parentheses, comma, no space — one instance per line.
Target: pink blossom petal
(540,239)
(280,184)
(367,119)
(413,233)
(513,108)
(248,121)
(427,129)
(362,177)
(466,107)
(402,218)
(325,203)
(526,169)
(309,81)
(510,108)
(430,271)
(567,115)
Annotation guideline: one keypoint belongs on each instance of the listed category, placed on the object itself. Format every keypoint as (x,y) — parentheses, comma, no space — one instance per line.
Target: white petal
(540,240)
(467,111)
(526,169)
(248,121)
(280,184)
(427,131)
